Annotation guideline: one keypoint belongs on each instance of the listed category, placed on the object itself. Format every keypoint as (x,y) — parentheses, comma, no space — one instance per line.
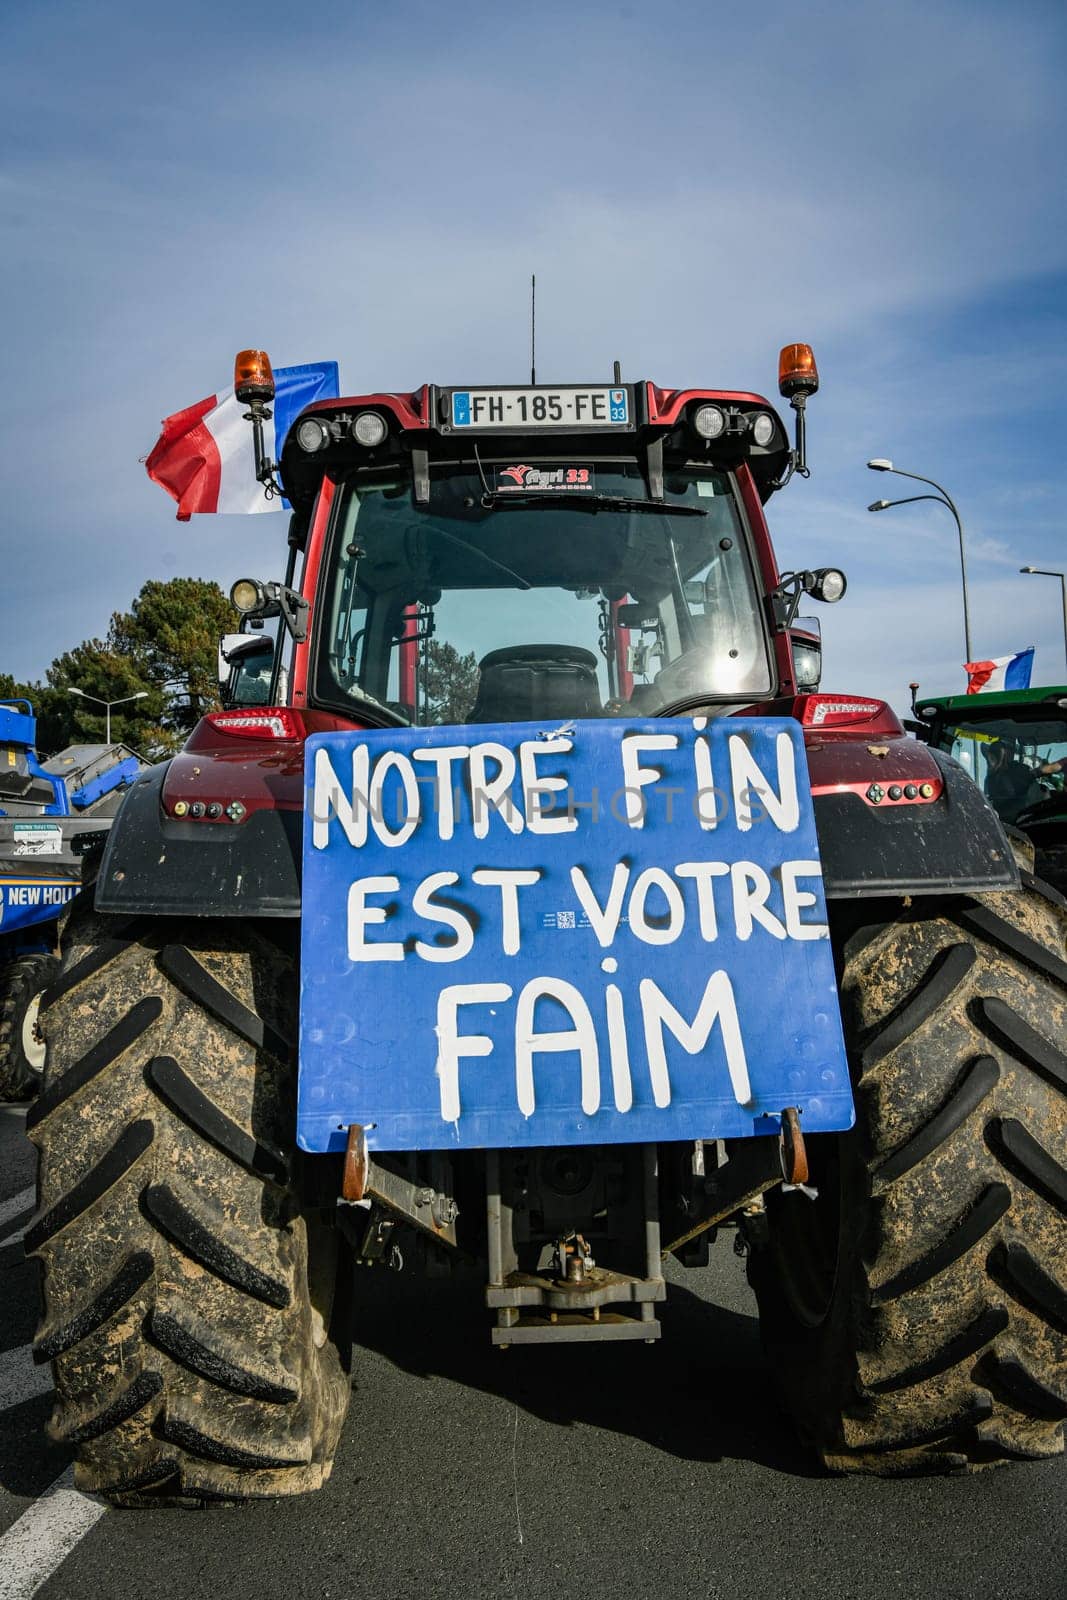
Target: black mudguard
(166,867)
(170,867)
(954,844)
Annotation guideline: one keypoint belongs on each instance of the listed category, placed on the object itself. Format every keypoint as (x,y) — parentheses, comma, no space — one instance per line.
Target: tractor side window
(359,650)
(707,617)
(1018,763)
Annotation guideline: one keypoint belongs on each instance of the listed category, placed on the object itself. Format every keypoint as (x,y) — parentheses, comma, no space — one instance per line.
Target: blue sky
(694,186)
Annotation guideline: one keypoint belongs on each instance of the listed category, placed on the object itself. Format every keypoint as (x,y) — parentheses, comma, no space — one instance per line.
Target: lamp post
(943,498)
(142,694)
(1043,572)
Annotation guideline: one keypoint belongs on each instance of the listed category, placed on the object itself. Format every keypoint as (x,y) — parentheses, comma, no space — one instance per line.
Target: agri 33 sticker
(521,479)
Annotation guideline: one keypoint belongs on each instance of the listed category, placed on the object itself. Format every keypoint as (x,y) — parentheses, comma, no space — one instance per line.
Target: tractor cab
(1014,745)
(527,554)
(246,668)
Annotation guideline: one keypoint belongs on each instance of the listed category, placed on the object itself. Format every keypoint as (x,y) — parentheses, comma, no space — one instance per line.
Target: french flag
(203,457)
(1003,672)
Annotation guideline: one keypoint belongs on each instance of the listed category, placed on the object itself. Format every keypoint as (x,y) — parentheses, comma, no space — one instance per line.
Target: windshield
(1016,761)
(497,602)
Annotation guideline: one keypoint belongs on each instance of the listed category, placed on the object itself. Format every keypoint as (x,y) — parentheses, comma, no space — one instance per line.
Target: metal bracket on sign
(363,1182)
(793,1155)
(654,463)
(420,471)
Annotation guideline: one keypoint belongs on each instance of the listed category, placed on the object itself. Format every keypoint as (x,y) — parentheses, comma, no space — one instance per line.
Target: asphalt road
(465,1472)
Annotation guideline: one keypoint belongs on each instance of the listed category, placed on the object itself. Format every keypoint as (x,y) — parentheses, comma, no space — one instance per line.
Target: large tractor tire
(192,1309)
(22,983)
(915,1315)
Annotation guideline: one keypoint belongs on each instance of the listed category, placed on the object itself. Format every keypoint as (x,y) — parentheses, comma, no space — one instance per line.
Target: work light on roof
(762,428)
(710,421)
(312,434)
(369,429)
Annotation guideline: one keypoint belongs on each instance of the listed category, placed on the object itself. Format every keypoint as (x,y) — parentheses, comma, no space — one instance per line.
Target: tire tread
(944,1345)
(162,1081)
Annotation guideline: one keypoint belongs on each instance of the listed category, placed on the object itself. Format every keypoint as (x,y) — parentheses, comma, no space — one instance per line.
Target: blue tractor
(54,817)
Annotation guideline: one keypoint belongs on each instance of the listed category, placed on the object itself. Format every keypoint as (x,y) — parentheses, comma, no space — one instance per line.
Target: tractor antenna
(618,373)
(533,329)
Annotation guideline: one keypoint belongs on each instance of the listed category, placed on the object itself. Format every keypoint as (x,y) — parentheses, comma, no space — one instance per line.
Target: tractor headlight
(248,595)
(709,421)
(369,429)
(762,428)
(829,585)
(312,435)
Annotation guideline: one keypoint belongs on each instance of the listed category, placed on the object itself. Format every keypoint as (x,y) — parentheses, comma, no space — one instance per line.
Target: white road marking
(43,1537)
(18,1202)
(515,1474)
(21,1378)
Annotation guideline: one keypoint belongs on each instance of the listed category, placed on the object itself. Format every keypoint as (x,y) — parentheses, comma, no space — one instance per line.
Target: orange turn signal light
(797,372)
(252,376)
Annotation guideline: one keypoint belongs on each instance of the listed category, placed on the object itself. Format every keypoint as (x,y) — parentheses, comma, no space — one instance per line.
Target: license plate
(589,408)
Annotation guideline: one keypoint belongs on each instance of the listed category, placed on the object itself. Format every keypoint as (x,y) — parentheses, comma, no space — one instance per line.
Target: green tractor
(1014,745)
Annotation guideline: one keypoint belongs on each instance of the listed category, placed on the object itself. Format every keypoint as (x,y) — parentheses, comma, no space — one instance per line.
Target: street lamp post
(943,498)
(1043,572)
(142,694)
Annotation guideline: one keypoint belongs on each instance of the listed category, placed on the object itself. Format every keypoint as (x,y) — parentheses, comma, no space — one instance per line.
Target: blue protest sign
(609,932)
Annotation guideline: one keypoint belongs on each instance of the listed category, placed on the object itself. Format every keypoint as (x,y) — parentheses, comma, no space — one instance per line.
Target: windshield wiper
(465,544)
(698,702)
(495,498)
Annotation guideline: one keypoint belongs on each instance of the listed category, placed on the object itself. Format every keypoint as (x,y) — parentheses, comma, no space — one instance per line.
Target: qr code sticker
(565,919)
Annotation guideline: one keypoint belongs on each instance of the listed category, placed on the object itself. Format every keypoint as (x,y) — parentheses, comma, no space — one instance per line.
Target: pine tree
(449,682)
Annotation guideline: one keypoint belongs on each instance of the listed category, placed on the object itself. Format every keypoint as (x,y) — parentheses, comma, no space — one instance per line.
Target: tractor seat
(537,682)
(645,699)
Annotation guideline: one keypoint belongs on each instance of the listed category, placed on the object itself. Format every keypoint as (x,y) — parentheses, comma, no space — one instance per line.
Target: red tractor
(236,1110)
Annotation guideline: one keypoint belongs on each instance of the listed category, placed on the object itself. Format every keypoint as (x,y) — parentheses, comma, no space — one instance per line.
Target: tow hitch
(545,1210)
